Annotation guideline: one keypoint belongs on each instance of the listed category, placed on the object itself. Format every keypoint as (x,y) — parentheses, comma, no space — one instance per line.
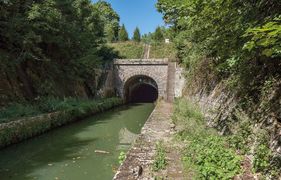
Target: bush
(207,154)
(212,158)
(262,158)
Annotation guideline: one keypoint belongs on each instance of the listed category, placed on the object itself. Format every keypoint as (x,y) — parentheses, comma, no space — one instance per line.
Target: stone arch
(140,88)
(125,75)
(155,69)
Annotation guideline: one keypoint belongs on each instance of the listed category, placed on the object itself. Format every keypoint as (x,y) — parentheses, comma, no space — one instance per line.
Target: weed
(262,158)
(207,155)
(121,157)
(160,161)
(241,139)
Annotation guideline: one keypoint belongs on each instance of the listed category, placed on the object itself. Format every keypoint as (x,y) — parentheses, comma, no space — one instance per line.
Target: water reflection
(70,152)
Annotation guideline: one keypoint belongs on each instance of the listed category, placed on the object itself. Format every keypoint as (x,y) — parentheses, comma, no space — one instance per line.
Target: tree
(158,35)
(110,19)
(110,34)
(219,29)
(123,34)
(137,35)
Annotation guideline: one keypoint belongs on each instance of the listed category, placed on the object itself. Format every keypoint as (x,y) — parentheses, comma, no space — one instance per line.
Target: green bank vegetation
(64,112)
(121,157)
(47,105)
(208,155)
(235,44)
(160,161)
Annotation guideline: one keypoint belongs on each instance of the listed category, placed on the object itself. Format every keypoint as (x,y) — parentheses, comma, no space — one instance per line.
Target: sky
(137,13)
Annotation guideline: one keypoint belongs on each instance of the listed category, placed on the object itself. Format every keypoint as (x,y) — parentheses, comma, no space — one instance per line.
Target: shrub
(241,139)
(262,158)
(207,154)
(212,158)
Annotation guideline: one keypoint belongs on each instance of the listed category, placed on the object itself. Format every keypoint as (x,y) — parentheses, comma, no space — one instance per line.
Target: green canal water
(71,152)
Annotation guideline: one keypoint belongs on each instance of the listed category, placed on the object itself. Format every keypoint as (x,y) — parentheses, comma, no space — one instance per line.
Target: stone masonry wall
(157,69)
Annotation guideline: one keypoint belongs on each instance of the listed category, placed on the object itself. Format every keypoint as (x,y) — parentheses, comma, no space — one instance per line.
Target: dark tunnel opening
(141,89)
(144,93)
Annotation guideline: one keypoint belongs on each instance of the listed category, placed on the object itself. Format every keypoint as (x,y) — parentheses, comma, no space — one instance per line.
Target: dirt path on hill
(146,53)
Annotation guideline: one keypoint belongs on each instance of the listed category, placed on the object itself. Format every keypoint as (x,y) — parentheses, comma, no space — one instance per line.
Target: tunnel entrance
(141,88)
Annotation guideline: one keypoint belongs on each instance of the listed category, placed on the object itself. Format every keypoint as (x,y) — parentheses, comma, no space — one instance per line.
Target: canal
(87,149)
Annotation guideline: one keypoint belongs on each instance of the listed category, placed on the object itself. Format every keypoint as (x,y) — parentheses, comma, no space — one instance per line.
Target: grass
(163,50)
(44,105)
(128,50)
(207,155)
(133,50)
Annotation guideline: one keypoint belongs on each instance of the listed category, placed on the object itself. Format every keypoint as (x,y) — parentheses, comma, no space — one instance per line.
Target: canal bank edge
(140,158)
(19,130)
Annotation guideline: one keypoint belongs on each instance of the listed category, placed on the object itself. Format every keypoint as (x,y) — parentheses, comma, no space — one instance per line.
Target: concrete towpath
(139,160)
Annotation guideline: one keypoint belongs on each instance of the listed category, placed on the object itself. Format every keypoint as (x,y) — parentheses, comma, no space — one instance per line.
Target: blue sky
(141,13)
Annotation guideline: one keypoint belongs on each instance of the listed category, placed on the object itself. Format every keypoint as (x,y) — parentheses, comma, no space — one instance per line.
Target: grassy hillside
(163,50)
(128,50)
(132,50)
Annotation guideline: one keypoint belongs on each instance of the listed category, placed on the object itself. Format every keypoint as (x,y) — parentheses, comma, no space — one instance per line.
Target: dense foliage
(44,44)
(158,35)
(58,31)
(239,38)
(236,44)
(110,19)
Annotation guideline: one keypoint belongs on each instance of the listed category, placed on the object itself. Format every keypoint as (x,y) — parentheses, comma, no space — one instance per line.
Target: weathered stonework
(179,81)
(157,69)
